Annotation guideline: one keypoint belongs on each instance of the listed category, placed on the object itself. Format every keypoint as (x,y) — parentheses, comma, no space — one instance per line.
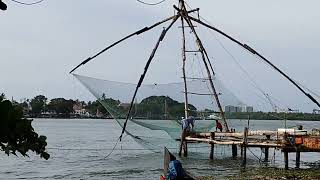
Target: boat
(168,156)
(213,117)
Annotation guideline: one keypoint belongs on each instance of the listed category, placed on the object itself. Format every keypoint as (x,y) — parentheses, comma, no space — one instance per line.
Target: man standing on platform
(218,126)
(187,126)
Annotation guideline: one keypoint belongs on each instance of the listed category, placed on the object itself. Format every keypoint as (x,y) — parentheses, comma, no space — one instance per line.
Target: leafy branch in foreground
(17,133)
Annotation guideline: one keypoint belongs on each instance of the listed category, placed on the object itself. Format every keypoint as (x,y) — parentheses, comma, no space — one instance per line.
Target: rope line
(28,4)
(151,4)
(114,147)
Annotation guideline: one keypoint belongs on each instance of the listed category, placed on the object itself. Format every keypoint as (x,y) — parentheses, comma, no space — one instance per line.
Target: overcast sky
(40,44)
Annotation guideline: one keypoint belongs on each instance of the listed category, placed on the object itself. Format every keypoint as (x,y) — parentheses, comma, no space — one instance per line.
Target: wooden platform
(287,141)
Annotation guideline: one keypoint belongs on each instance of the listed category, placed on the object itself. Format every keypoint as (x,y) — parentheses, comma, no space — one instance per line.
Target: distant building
(316,111)
(78,109)
(247,109)
(124,105)
(230,108)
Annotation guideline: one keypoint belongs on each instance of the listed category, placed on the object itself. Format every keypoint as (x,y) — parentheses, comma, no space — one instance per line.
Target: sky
(40,44)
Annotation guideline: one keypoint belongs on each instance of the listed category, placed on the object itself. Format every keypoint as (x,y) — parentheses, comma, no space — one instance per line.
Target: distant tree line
(273,116)
(153,107)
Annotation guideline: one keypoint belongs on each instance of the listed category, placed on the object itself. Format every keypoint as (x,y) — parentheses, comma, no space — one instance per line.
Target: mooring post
(241,150)
(298,159)
(244,159)
(185,152)
(266,150)
(212,137)
(286,160)
(234,150)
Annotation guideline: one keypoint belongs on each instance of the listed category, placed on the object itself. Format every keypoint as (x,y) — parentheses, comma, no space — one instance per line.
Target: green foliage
(61,105)
(273,116)
(154,107)
(17,133)
(93,106)
(38,104)
(1,96)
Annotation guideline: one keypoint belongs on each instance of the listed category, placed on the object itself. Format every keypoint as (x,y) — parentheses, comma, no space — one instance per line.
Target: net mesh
(158,108)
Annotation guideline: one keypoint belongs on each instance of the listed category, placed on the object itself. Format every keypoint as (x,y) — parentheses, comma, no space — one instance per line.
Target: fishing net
(158,108)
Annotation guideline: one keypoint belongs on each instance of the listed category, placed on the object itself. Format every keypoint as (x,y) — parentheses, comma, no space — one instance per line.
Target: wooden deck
(287,141)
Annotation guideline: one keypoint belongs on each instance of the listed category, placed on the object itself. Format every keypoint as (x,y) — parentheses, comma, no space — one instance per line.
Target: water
(78,149)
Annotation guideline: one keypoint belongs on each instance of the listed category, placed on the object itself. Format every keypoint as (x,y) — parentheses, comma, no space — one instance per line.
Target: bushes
(17,133)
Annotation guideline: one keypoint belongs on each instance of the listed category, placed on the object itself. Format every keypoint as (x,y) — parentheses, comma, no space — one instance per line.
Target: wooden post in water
(241,150)
(286,160)
(212,137)
(234,150)
(298,159)
(266,150)
(244,158)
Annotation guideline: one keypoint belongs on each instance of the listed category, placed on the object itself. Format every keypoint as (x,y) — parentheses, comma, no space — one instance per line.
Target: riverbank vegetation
(153,107)
(17,134)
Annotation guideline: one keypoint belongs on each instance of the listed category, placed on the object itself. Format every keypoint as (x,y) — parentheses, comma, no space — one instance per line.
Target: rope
(28,4)
(254,155)
(151,4)
(114,147)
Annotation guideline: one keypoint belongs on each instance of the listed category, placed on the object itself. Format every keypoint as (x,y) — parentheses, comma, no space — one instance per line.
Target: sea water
(80,149)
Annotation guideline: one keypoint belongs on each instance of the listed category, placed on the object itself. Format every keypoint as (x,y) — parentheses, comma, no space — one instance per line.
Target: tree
(61,106)
(3,6)
(154,107)
(38,104)
(17,133)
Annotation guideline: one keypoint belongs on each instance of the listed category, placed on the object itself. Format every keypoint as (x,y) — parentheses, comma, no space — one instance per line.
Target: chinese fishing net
(158,108)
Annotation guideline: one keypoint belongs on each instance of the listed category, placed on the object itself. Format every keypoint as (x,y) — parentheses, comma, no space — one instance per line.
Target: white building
(231,108)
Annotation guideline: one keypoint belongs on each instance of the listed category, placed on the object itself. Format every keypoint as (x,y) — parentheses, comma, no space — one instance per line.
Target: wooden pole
(185,152)
(298,159)
(286,160)
(234,150)
(205,62)
(184,65)
(241,150)
(244,159)
(212,137)
(266,150)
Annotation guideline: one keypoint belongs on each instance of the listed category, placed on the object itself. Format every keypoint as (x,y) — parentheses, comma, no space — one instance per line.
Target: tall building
(231,108)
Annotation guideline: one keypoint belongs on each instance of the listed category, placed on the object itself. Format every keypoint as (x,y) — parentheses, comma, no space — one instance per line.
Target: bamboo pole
(298,159)
(244,159)
(286,160)
(266,150)
(183,65)
(212,137)
(234,150)
(127,37)
(251,50)
(203,55)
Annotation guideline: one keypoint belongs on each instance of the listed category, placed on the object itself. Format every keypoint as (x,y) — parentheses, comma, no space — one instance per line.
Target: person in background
(188,124)
(218,126)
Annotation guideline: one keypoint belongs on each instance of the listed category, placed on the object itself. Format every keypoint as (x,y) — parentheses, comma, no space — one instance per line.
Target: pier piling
(286,160)
(234,150)
(298,159)
(244,158)
(266,150)
(212,137)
